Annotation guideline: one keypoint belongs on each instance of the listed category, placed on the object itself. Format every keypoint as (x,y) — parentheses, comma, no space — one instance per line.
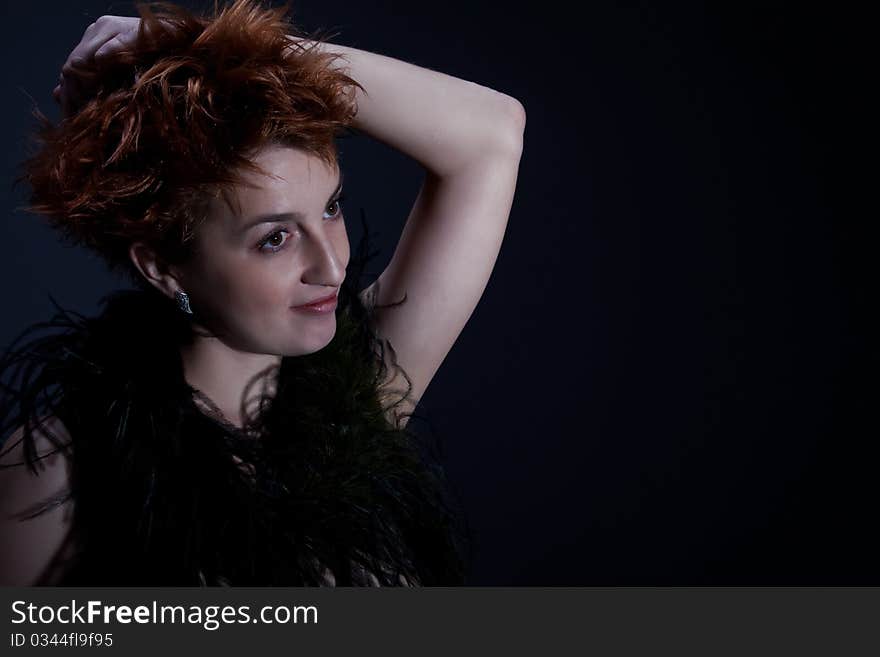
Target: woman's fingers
(107,50)
(96,35)
(79,73)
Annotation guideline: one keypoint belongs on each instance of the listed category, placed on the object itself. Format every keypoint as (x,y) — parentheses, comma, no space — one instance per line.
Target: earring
(182,301)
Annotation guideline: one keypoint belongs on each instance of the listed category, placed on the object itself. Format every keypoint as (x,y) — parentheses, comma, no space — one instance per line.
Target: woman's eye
(338,203)
(271,240)
(274,240)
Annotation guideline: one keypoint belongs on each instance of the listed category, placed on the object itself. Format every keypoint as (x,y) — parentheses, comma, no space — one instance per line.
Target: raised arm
(443,122)
(469,140)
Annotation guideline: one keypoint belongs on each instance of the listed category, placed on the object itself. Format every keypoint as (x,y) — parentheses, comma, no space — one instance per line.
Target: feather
(318,488)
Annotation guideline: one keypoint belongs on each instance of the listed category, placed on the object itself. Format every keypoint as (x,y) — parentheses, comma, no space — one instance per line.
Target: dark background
(669,378)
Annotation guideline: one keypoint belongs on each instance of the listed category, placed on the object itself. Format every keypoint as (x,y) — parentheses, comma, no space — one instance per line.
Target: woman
(209,427)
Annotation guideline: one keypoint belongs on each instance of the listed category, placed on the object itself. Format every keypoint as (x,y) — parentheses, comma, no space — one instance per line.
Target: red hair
(174,123)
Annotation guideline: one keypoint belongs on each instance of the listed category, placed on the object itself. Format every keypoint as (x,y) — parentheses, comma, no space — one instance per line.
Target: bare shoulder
(36,510)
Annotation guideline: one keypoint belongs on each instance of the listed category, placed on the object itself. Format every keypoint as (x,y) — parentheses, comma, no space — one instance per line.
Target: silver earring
(182,301)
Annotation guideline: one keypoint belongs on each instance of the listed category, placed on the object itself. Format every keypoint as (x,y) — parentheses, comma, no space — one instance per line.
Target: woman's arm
(35,545)
(469,140)
(442,122)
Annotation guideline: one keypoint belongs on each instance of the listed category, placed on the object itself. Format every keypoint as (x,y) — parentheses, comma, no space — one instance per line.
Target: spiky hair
(176,121)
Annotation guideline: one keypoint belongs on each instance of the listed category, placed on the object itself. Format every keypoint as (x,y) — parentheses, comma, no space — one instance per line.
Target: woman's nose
(326,265)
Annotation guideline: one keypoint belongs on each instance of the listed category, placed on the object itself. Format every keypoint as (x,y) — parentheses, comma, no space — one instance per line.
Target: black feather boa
(160,500)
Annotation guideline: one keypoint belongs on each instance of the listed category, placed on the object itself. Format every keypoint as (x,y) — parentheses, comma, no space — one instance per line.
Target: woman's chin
(311,340)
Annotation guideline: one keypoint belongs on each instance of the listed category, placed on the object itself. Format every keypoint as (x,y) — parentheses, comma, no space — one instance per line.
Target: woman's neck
(233,380)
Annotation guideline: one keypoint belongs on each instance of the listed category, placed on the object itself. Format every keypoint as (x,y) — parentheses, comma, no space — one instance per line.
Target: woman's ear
(154,269)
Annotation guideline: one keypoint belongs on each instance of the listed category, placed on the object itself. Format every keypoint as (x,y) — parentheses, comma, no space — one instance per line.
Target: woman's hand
(101,40)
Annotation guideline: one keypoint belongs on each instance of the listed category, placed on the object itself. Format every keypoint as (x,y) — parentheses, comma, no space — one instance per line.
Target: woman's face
(249,271)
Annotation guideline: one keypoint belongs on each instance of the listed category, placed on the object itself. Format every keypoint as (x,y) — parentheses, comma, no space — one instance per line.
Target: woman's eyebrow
(294,215)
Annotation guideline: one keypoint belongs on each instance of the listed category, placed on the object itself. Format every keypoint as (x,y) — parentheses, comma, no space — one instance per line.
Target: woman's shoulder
(36,507)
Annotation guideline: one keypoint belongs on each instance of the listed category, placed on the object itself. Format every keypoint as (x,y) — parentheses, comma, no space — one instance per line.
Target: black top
(168,495)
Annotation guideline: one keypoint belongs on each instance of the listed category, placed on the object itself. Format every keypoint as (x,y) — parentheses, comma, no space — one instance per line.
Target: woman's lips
(324,305)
